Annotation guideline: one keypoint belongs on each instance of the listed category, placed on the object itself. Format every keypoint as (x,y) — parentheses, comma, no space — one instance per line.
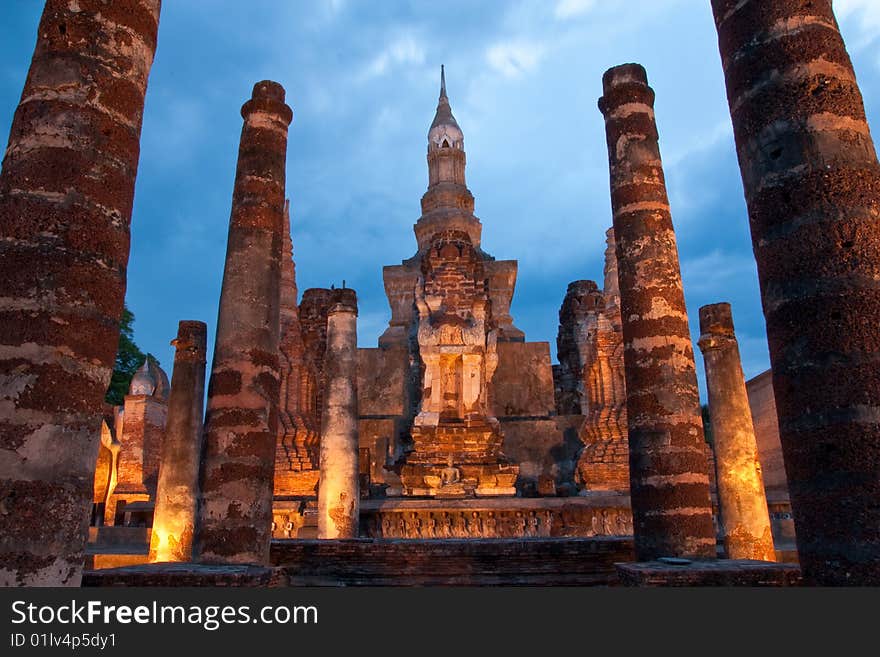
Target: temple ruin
(453,426)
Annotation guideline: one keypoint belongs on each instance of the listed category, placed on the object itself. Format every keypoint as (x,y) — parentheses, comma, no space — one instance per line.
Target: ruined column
(338,494)
(177,494)
(812,185)
(744,517)
(242,417)
(66,192)
(672,514)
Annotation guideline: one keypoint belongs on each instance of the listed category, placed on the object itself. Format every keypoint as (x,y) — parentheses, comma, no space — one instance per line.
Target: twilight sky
(362,78)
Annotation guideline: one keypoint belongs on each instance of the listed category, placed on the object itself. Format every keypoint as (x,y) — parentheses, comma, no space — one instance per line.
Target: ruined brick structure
(66,194)
(812,186)
(454,404)
(139,429)
(296,455)
(590,378)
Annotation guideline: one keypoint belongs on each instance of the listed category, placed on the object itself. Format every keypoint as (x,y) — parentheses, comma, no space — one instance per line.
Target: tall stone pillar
(296,456)
(242,417)
(338,494)
(66,192)
(812,185)
(744,516)
(669,480)
(177,494)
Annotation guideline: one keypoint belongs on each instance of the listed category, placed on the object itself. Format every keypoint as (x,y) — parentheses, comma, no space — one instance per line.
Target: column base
(711,572)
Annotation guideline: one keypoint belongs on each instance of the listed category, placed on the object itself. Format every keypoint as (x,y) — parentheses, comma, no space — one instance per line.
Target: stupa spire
(444,123)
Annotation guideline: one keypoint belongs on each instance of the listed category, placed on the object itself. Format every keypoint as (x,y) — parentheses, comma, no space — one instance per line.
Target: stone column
(812,185)
(139,435)
(66,192)
(669,480)
(177,494)
(242,418)
(338,494)
(744,516)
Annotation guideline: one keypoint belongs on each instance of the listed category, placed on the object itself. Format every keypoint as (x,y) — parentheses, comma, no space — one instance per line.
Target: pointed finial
(442,82)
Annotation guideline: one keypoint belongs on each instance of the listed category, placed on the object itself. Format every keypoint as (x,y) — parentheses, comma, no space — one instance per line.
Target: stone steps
(467,562)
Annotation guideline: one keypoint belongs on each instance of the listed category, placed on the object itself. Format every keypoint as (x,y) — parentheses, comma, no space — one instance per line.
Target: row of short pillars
(176,523)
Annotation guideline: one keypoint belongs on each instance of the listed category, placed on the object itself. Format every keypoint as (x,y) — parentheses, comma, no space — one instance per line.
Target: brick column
(338,494)
(669,478)
(242,417)
(66,192)
(744,516)
(812,185)
(177,494)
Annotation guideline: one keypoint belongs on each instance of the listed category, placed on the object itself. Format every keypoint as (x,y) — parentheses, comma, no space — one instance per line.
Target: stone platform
(482,562)
(597,561)
(372,562)
(186,574)
(721,572)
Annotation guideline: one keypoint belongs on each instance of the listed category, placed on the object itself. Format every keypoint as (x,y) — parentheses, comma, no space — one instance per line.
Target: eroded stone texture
(591,383)
(338,494)
(577,324)
(722,572)
(669,477)
(177,494)
(456,441)
(745,520)
(140,428)
(812,185)
(242,416)
(590,378)
(296,455)
(313,311)
(66,193)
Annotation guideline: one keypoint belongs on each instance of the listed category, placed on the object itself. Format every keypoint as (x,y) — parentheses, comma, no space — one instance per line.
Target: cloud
(402,51)
(716,270)
(334,6)
(865,13)
(513,58)
(571,8)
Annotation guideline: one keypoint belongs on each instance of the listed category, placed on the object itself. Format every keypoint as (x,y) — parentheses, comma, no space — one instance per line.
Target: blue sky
(362,78)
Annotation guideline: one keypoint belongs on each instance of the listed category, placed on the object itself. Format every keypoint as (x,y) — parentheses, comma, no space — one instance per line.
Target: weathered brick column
(338,494)
(744,517)
(66,194)
(812,184)
(242,417)
(669,478)
(177,493)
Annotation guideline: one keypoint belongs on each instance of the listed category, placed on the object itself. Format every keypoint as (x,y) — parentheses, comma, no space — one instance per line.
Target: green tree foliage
(128,359)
